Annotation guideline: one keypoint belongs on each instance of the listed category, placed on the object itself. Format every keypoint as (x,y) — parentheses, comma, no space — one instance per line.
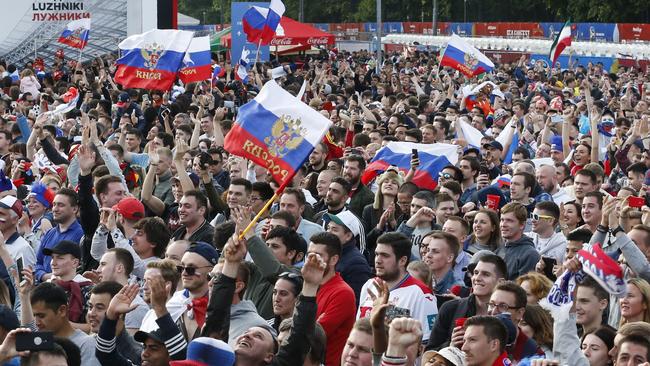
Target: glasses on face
(444,175)
(537,217)
(502,308)
(191,271)
(254,198)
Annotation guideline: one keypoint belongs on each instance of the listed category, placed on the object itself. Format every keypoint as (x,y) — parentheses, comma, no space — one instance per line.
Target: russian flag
(242,66)
(509,135)
(70,99)
(470,134)
(433,158)
(76,33)
(260,23)
(152,59)
(277,131)
(465,58)
(197,61)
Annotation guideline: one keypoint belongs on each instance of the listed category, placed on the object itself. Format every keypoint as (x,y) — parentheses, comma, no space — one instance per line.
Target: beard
(390,276)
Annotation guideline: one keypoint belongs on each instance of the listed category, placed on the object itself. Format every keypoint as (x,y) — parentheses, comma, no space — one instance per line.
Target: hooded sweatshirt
(520,256)
(243,316)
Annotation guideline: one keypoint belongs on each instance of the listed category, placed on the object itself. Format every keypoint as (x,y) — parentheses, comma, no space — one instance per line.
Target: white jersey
(410,297)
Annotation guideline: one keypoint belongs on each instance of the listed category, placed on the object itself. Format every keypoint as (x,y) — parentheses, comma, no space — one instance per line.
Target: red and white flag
(562,41)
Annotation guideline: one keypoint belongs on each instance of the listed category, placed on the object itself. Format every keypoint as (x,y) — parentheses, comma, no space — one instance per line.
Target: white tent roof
(187,20)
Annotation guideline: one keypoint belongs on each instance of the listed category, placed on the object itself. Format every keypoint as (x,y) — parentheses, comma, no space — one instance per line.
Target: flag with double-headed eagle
(76,33)
(277,131)
(152,59)
(465,58)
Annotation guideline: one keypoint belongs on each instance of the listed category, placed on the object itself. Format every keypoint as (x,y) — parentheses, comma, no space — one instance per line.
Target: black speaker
(167,14)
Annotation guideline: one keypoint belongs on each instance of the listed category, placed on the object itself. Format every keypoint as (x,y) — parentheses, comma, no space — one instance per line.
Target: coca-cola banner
(597,32)
(634,32)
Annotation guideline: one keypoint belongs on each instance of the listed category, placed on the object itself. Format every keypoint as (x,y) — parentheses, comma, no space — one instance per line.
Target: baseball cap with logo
(122,100)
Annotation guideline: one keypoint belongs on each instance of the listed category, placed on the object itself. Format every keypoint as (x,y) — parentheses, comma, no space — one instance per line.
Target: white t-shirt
(410,294)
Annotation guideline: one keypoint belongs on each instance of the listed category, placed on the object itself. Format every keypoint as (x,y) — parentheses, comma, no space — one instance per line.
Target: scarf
(198,308)
(76,300)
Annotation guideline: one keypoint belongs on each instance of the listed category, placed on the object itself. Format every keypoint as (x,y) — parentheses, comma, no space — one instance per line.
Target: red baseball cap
(130,208)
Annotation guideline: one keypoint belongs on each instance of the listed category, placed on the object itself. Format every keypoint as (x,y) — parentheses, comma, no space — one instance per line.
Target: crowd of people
(122,220)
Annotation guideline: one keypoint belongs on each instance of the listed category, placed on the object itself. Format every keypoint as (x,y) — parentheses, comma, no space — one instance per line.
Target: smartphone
(414,153)
(556,118)
(145,97)
(549,263)
(636,202)
(229,104)
(483,169)
(19,265)
(34,341)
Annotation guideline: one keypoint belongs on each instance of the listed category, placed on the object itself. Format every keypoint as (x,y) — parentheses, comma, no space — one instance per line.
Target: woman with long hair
(383,214)
(635,306)
(486,234)
(570,216)
(537,324)
(596,346)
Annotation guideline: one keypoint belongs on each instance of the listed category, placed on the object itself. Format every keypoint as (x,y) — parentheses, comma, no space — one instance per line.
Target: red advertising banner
(509,30)
(634,32)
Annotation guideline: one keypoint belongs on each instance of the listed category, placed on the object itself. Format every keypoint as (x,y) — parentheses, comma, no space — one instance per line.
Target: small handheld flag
(196,62)
(76,33)
(562,41)
(152,59)
(465,58)
(260,23)
(242,66)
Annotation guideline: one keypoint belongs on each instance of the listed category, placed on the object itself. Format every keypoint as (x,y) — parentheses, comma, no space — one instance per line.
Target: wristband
(601,228)
(619,229)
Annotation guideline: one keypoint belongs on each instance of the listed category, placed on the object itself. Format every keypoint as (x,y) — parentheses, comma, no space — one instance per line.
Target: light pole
(301,11)
(378,66)
(464,11)
(434,31)
(204,23)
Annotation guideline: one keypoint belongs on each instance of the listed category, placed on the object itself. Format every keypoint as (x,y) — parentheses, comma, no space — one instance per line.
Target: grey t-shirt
(133,319)
(86,345)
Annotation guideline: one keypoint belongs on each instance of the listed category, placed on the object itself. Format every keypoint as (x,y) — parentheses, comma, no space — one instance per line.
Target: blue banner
(239,37)
(597,32)
(551,29)
(461,29)
(392,27)
(580,60)
(370,27)
(325,27)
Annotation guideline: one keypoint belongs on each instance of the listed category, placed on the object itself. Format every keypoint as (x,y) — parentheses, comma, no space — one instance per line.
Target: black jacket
(445,322)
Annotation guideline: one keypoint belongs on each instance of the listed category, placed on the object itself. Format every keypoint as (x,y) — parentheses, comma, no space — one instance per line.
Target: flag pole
(80,52)
(266,206)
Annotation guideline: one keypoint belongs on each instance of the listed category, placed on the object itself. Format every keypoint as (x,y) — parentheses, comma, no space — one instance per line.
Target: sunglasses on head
(290,275)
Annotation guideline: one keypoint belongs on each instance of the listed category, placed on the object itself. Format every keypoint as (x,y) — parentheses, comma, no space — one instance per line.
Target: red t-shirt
(336,314)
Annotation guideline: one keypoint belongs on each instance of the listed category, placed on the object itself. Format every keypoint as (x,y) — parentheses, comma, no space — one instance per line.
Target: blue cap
(556,143)
(205,250)
(494,144)
(8,319)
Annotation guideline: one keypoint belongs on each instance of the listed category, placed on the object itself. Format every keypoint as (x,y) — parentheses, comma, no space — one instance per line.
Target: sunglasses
(290,275)
(444,175)
(191,271)
(537,217)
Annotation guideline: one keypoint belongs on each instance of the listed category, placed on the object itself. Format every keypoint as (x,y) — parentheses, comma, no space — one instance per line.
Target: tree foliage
(339,11)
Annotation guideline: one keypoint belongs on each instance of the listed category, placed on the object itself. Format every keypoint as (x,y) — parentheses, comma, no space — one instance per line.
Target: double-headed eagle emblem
(287,134)
(152,54)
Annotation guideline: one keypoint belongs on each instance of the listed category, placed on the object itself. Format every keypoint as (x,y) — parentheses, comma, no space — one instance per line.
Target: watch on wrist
(617,230)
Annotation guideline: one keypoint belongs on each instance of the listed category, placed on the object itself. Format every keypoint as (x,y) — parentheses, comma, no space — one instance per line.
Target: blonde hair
(423,270)
(540,285)
(379,198)
(644,289)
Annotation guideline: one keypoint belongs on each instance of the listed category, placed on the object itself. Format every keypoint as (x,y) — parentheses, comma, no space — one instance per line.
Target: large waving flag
(260,23)
(76,33)
(152,59)
(433,158)
(197,61)
(562,41)
(277,131)
(465,58)
(509,135)
(470,133)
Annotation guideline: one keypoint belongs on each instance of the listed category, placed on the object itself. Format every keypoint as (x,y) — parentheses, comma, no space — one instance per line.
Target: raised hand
(181,149)
(379,302)
(8,346)
(403,333)
(241,215)
(154,158)
(86,158)
(313,269)
(158,293)
(122,303)
(235,250)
